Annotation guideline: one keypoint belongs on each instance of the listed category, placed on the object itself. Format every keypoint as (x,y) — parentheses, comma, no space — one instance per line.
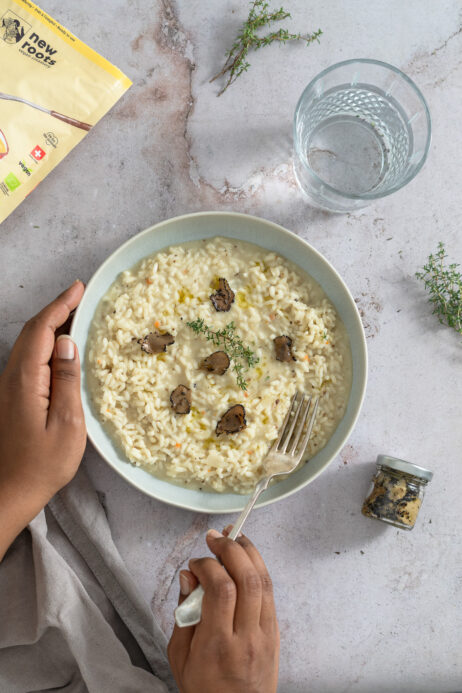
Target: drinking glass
(362,131)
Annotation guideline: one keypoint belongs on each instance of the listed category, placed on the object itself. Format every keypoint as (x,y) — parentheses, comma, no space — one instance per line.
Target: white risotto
(131,388)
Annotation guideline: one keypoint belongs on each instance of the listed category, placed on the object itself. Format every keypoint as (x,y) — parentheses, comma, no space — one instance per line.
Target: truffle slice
(223,296)
(283,348)
(232,421)
(181,399)
(218,363)
(155,343)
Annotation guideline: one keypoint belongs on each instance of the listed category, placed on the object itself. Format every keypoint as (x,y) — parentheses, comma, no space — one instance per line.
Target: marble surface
(362,607)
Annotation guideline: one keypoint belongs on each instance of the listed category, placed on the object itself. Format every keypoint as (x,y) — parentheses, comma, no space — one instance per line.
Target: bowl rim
(365,196)
(362,375)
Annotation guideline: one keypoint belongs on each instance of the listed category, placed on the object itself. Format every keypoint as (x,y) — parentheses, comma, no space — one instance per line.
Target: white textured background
(385,620)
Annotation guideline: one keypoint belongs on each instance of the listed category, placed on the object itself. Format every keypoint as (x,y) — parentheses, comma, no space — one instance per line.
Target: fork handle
(259,488)
(189,612)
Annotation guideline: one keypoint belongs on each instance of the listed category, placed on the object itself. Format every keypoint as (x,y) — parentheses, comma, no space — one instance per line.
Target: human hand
(42,427)
(235,647)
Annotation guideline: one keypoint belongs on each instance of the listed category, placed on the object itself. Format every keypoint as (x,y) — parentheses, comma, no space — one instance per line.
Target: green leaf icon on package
(12,182)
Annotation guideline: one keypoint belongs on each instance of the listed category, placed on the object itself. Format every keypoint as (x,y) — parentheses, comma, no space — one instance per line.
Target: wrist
(19,504)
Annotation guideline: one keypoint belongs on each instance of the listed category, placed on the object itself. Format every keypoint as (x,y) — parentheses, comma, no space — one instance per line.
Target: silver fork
(283,457)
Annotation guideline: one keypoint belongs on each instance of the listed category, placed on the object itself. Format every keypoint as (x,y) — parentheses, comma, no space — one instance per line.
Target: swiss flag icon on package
(38,153)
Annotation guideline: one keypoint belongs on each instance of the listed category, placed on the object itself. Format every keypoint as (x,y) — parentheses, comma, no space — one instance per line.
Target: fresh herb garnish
(232,344)
(444,284)
(259,16)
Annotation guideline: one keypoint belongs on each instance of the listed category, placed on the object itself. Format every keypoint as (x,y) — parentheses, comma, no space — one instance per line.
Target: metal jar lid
(406,467)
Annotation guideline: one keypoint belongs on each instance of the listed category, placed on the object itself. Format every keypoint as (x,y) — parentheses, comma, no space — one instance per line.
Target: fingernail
(76,281)
(214,534)
(185,585)
(65,347)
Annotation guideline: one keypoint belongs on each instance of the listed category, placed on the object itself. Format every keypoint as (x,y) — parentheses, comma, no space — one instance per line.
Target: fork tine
(292,426)
(299,430)
(305,440)
(284,423)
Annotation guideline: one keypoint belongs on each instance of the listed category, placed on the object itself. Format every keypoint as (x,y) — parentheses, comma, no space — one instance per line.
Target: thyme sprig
(444,285)
(259,16)
(232,344)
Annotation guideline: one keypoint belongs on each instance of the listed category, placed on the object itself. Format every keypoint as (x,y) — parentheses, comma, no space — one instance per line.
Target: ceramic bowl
(193,227)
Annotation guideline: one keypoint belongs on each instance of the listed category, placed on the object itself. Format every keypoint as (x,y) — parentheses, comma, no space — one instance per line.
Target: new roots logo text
(39,49)
(13,30)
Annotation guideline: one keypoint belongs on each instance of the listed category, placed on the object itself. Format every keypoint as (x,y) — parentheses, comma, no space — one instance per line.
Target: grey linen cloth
(71,617)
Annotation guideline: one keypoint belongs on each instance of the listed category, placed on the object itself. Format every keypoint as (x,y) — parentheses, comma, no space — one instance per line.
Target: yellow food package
(53,90)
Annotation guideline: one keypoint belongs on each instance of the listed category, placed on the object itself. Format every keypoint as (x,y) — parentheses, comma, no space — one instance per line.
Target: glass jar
(397,492)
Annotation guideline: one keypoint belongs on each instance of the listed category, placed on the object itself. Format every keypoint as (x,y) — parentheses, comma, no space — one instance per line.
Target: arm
(235,647)
(42,428)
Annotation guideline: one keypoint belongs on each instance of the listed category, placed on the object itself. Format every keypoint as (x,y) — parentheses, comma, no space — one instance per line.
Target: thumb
(65,401)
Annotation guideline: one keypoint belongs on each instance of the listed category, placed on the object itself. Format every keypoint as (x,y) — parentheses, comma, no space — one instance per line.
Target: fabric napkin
(71,617)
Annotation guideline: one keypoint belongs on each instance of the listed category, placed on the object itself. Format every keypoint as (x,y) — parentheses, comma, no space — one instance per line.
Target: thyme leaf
(259,16)
(444,285)
(241,356)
